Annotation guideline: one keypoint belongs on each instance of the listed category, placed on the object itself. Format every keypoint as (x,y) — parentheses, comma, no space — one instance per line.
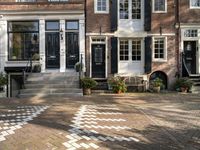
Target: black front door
(98,60)
(52,50)
(190,55)
(72,49)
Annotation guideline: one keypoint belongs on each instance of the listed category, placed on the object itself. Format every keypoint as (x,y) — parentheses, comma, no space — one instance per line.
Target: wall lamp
(61,34)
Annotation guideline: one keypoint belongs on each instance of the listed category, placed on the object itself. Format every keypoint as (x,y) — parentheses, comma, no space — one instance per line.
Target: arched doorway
(161,75)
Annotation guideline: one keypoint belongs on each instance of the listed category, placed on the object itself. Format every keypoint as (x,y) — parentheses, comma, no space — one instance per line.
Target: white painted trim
(40,12)
(98,34)
(44,17)
(101,12)
(153,8)
(164,34)
(106,53)
(189,25)
(165,50)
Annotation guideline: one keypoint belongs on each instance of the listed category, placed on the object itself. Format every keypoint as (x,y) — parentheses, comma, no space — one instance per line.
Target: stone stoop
(196,80)
(51,84)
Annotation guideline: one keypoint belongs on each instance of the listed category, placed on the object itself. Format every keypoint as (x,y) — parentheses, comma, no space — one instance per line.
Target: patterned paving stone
(11,121)
(83,129)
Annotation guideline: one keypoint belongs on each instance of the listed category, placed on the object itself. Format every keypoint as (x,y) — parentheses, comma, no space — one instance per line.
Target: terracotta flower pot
(86,91)
(184,90)
(156,89)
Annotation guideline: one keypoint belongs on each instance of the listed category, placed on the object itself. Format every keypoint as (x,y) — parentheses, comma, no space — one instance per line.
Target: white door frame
(106,50)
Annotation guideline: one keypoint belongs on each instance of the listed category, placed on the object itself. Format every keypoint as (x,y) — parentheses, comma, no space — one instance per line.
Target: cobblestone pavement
(139,121)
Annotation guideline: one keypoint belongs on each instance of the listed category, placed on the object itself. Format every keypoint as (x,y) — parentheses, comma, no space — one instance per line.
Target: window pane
(136,9)
(101,5)
(23,26)
(195,3)
(23,46)
(124,9)
(52,25)
(72,25)
(159,48)
(159,5)
(136,50)
(124,50)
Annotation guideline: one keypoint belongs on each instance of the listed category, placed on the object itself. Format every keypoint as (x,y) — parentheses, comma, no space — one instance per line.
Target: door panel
(52,50)
(190,55)
(72,49)
(98,60)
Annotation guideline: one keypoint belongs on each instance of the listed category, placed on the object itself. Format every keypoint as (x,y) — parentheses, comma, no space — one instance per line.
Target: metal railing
(81,70)
(184,64)
(28,68)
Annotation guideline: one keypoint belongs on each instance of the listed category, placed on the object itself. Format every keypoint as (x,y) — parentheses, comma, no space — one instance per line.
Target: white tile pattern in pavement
(85,124)
(12,120)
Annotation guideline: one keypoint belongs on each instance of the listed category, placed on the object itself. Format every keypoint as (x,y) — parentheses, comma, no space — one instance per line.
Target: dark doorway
(161,75)
(98,60)
(190,56)
(52,50)
(72,49)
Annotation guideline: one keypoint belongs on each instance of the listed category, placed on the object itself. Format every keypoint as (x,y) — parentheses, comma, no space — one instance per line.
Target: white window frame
(130,11)
(155,11)
(130,42)
(96,11)
(193,7)
(165,50)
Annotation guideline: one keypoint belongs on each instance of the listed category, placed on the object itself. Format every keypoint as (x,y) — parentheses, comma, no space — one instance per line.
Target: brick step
(61,85)
(27,95)
(52,90)
(52,78)
(72,82)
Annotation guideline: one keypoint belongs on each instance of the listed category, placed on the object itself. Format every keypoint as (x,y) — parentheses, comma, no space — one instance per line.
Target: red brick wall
(169,67)
(95,21)
(166,20)
(188,15)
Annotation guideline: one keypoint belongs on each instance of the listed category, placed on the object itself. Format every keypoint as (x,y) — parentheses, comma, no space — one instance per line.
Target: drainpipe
(85,36)
(177,26)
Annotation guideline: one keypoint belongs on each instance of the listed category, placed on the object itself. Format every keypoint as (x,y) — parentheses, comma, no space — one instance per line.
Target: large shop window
(23,40)
(125,12)
(131,48)
(160,50)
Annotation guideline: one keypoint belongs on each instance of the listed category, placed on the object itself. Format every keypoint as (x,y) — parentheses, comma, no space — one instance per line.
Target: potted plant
(183,84)
(37,68)
(87,84)
(157,84)
(118,84)
(3,81)
(78,67)
(36,56)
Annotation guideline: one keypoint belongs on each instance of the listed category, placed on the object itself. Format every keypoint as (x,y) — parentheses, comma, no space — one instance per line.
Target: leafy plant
(157,82)
(3,79)
(118,84)
(78,66)
(183,83)
(36,56)
(88,83)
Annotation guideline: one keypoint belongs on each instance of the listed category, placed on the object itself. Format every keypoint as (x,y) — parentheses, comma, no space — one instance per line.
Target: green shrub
(157,82)
(88,83)
(118,84)
(183,83)
(3,79)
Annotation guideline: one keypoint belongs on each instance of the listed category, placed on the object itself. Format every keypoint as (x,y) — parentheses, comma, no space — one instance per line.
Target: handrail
(184,63)
(26,69)
(81,70)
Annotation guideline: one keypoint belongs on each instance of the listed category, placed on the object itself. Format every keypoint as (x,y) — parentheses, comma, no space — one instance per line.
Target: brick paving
(118,122)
